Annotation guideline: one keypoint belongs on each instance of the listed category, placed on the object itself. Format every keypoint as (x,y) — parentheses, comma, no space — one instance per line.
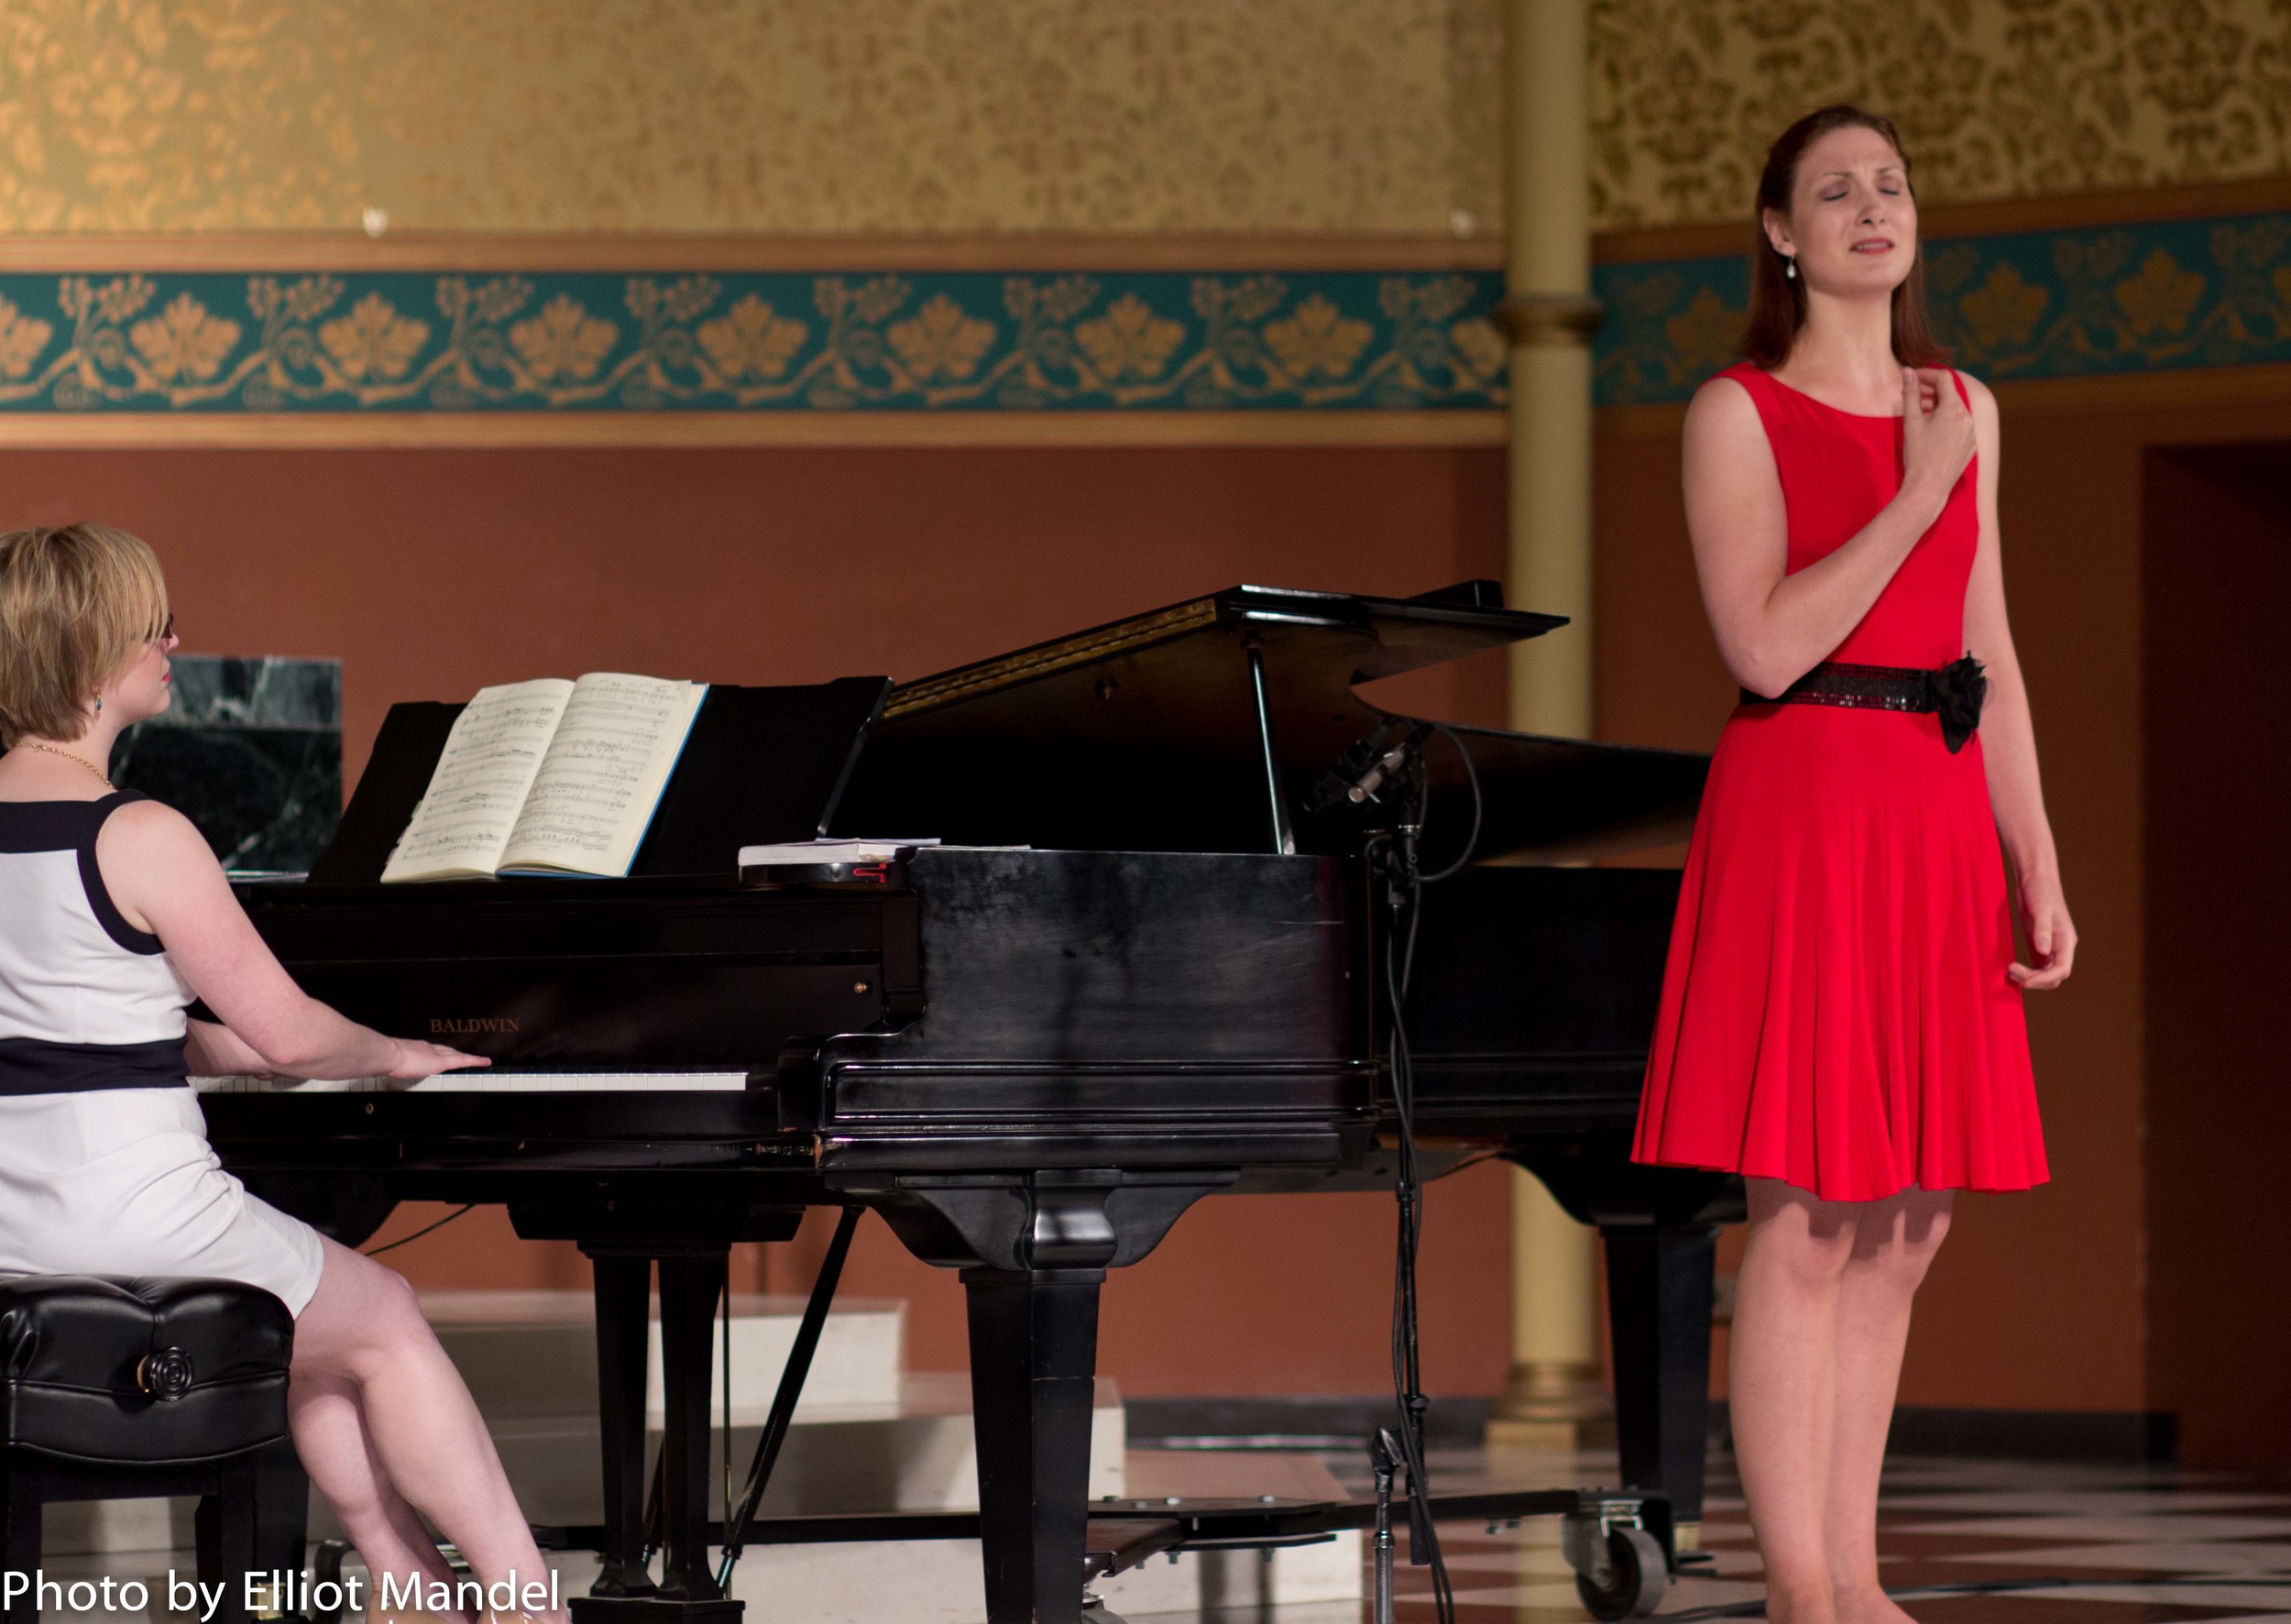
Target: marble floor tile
(1982,1538)
(2095,1546)
(1523,1561)
(1520,1596)
(1956,1471)
(2242,1596)
(2048,1609)
(2070,1499)
(2160,1554)
(1909,1572)
(2166,1525)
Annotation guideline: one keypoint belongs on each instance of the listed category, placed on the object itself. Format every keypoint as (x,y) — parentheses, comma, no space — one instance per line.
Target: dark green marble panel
(251,752)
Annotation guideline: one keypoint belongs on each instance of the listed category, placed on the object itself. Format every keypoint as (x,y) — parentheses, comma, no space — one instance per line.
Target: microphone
(1369,764)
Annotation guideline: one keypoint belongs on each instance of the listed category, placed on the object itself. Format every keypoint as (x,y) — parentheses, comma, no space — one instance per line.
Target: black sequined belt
(1955,691)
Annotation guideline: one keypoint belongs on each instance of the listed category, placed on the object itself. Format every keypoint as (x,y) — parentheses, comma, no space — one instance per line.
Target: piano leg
(1659,1285)
(691,1284)
(623,1290)
(690,1288)
(1661,1225)
(1033,1356)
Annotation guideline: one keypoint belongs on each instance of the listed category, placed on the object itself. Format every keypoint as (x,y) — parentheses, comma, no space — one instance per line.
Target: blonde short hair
(76,603)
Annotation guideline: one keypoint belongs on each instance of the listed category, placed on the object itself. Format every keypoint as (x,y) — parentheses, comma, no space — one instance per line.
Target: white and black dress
(104,1165)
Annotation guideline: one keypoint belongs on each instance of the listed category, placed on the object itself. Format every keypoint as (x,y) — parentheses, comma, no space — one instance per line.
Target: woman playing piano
(1841,1016)
(113,915)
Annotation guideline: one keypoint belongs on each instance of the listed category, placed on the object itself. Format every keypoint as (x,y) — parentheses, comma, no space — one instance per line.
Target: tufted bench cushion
(143,1371)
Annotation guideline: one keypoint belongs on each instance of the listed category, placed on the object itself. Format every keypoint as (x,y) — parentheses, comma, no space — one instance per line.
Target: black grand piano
(1146,965)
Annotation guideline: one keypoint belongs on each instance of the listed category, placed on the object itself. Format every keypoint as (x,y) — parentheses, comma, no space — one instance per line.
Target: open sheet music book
(548,777)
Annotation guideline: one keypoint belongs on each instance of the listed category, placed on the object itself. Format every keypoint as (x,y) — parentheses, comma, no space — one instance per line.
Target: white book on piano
(783,853)
(548,777)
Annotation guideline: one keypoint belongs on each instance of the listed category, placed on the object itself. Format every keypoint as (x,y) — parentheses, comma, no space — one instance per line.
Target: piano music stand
(762,765)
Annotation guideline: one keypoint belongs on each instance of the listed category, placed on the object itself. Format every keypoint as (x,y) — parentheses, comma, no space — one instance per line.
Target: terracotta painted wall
(2219,887)
(432,573)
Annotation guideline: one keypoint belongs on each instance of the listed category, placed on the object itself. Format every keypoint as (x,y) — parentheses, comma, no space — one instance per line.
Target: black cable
(1396,856)
(1407,879)
(1471,778)
(417,1235)
(736,1520)
(1407,1376)
(728,1400)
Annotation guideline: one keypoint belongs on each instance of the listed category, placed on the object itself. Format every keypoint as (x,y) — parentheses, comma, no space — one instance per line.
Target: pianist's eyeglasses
(166,630)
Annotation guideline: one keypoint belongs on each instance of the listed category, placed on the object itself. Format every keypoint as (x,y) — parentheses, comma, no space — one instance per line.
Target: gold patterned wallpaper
(1064,116)
(1994,98)
(744,115)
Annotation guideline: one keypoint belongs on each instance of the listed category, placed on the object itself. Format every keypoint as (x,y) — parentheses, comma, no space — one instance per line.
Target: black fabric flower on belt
(1958,689)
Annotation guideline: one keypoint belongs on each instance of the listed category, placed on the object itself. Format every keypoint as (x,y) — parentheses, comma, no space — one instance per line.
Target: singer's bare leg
(1821,1315)
(1894,1243)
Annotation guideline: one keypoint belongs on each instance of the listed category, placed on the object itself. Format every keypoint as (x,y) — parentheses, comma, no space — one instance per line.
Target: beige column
(1554,1398)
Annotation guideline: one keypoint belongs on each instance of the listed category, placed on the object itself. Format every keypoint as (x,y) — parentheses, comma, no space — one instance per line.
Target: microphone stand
(1382,1448)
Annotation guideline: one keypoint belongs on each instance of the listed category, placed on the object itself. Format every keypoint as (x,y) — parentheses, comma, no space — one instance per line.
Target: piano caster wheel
(1094,1610)
(1621,1576)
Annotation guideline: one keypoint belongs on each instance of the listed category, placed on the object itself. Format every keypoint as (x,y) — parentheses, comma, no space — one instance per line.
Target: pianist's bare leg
(1893,1246)
(1782,1369)
(330,1435)
(419,1445)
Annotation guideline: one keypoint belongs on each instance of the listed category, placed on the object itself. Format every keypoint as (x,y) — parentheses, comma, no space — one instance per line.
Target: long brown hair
(1777,302)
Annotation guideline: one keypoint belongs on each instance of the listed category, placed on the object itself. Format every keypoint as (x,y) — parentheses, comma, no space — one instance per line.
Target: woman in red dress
(1841,1016)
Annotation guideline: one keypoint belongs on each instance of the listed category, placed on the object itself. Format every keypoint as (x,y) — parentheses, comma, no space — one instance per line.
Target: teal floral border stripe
(408,342)
(2033,304)
(2027,304)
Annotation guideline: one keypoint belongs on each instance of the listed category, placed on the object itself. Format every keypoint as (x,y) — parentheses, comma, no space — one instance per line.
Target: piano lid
(1144,735)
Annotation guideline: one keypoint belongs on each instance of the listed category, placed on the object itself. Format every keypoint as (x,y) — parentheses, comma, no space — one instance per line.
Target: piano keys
(483,1079)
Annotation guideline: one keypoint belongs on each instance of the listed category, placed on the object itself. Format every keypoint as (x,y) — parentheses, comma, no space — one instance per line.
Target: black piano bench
(123,1389)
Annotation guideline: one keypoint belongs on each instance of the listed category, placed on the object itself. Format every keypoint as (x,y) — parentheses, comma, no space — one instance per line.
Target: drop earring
(1790,266)
(99,704)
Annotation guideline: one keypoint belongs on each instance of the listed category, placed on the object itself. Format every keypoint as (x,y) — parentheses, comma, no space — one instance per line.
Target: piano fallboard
(598,975)
(1002,1010)
(1029,1010)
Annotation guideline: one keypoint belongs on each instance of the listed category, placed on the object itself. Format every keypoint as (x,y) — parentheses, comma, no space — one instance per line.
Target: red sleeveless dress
(1835,1011)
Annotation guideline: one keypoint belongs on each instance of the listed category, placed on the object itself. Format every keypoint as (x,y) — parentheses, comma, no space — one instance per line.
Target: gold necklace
(91,766)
